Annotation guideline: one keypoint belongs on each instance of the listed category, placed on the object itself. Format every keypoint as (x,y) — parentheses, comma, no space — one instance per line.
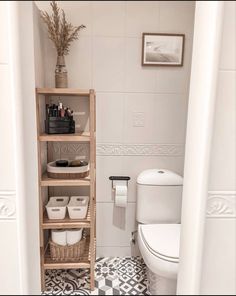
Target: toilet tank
(159,197)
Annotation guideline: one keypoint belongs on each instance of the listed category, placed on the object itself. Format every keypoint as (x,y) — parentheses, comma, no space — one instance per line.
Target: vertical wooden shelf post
(92,185)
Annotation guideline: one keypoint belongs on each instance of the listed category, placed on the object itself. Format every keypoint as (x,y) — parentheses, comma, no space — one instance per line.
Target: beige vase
(61,80)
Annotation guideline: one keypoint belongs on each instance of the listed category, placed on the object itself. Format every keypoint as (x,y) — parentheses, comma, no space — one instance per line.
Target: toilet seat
(159,246)
(162,240)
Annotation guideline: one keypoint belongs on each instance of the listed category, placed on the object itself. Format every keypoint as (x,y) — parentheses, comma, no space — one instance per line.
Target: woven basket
(68,175)
(67,253)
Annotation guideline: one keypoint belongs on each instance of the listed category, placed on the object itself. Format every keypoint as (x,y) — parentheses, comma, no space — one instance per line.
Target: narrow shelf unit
(43,97)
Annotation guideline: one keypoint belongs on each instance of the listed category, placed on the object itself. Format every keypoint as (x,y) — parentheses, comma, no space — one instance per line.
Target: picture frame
(163,49)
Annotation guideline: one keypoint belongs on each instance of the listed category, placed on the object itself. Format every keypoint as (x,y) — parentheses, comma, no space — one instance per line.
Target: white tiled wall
(219,262)
(107,57)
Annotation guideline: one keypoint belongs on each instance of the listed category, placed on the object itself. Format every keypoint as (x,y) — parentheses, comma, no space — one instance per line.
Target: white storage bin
(56,207)
(78,207)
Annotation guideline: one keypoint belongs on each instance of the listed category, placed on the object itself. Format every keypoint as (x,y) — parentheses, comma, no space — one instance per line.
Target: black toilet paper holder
(119,178)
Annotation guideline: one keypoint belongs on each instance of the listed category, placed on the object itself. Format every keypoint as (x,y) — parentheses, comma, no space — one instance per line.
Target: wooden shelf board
(67,222)
(83,262)
(62,265)
(46,181)
(77,137)
(62,91)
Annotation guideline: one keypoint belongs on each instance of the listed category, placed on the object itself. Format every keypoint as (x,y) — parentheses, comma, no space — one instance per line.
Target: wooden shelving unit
(43,96)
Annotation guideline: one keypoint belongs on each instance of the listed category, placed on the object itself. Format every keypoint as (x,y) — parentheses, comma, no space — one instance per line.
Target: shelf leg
(92,279)
(43,286)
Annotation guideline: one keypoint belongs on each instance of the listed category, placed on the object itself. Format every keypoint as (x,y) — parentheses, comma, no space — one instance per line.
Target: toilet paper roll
(74,236)
(59,237)
(121,196)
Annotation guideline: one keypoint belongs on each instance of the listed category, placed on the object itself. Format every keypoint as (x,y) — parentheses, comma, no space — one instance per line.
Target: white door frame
(207,33)
(205,61)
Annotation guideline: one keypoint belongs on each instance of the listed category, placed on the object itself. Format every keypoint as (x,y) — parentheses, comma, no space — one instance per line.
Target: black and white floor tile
(132,276)
(113,276)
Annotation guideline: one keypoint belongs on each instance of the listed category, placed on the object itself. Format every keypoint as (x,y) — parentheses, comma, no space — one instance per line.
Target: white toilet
(159,198)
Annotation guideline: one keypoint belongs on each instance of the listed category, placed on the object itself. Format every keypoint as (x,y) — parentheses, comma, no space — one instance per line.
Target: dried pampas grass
(60,31)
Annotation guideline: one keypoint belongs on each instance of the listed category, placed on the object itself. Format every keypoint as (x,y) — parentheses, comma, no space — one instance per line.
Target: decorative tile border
(7,205)
(69,150)
(111,149)
(116,149)
(221,204)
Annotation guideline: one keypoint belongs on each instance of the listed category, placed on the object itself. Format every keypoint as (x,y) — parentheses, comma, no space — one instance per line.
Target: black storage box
(60,125)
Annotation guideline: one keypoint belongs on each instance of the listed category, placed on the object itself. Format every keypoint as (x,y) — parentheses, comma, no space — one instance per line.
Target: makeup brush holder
(60,125)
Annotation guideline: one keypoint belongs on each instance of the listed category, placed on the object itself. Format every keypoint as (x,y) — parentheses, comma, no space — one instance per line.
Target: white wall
(219,262)
(19,254)
(107,57)
(9,254)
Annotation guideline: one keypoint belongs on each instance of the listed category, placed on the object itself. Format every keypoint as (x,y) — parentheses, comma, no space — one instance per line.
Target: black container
(60,125)
(62,163)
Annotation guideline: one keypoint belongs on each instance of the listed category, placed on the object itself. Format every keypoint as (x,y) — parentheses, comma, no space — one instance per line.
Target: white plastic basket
(56,207)
(78,207)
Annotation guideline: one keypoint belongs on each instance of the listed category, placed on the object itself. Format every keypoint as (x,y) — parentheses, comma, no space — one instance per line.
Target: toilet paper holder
(119,178)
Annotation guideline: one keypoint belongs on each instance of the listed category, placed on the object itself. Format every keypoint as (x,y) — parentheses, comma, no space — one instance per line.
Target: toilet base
(158,285)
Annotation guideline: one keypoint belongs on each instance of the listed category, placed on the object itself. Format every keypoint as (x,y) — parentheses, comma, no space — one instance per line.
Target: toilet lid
(162,239)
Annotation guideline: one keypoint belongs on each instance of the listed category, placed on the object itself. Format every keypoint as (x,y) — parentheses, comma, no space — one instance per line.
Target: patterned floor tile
(106,267)
(133,276)
(113,276)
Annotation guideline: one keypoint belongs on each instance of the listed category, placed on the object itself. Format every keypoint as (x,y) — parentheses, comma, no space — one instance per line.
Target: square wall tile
(176,79)
(107,166)
(108,18)
(138,78)
(170,118)
(77,12)
(224,137)
(139,103)
(7,181)
(50,58)
(141,16)
(228,49)
(3,33)
(79,63)
(131,251)
(164,115)
(177,16)
(114,225)
(108,64)
(110,117)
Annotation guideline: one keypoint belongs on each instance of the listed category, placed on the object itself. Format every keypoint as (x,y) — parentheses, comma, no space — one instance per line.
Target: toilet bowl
(159,197)
(159,246)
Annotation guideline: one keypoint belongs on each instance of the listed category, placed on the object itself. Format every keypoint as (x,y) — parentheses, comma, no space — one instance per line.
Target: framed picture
(162,49)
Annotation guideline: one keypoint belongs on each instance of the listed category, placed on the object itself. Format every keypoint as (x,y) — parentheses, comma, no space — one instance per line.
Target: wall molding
(7,205)
(221,204)
(116,149)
